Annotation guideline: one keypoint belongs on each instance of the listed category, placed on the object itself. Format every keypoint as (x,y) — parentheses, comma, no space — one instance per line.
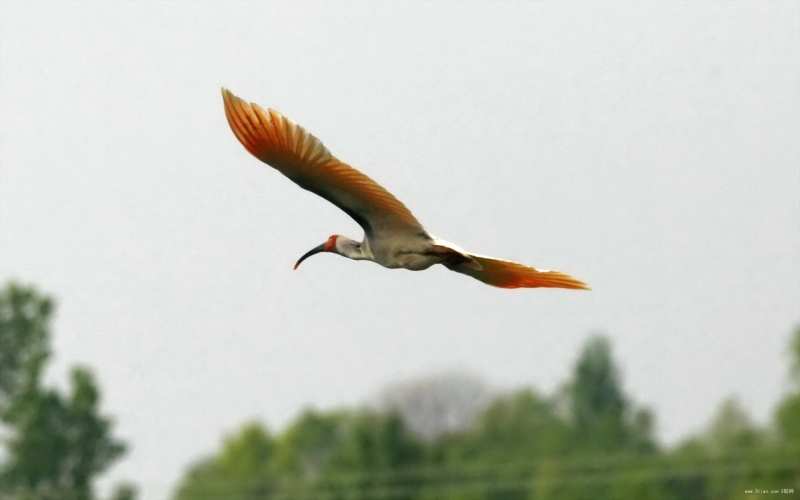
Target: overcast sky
(649,149)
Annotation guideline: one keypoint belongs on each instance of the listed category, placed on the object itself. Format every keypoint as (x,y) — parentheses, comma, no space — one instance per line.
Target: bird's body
(413,252)
(393,237)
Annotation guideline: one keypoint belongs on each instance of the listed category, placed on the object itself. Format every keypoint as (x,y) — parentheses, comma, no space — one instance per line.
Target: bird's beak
(315,250)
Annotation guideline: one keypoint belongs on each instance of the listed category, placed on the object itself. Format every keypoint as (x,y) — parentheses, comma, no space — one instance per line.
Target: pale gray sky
(650,149)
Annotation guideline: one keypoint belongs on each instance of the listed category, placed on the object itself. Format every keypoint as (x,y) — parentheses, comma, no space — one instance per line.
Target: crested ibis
(393,237)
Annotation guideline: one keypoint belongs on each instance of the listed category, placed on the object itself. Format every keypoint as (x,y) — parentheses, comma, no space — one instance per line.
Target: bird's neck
(354,250)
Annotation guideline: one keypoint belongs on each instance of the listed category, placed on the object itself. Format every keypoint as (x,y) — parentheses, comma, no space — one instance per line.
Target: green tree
(374,448)
(203,480)
(248,453)
(597,402)
(732,437)
(57,444)
(124,491)
(346,453)
(607,435)
(787,415)
(309,447)
(522,426)
(339,454)
(732,430)
(516,431)
(729,457)
(252,464)
(24,341)
(242,469)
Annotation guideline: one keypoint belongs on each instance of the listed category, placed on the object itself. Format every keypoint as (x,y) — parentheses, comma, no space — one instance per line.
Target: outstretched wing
(287,147)
(505,274)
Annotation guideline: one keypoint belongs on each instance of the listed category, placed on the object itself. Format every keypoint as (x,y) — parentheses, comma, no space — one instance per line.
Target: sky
(650,149)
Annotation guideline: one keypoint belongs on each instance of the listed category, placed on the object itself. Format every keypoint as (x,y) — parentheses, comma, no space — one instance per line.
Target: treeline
(587,441)
(444,437)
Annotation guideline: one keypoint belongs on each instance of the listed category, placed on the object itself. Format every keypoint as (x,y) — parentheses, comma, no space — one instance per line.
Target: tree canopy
(56,444)
(587,440)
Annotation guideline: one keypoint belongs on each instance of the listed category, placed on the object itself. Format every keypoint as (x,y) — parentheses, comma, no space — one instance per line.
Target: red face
(331,243)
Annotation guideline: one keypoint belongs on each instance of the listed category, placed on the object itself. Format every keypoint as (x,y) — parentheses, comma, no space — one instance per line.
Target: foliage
(56,443)
(787,416)
(588,440)
(604,420)
(24,341)
(520,426)
(124,491)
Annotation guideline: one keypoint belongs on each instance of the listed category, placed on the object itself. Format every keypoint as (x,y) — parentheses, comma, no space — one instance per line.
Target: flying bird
(393,237)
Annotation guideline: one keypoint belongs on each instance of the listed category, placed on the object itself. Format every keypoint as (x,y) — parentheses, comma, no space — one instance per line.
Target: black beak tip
(313,251)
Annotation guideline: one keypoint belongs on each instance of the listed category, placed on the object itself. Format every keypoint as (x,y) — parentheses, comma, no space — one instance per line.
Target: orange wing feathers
(290,149)
(506,274)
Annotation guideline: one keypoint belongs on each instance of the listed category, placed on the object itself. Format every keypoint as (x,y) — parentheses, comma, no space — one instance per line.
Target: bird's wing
(505,274)
(286,146)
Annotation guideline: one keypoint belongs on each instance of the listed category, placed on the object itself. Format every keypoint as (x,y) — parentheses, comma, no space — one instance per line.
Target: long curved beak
(313,251)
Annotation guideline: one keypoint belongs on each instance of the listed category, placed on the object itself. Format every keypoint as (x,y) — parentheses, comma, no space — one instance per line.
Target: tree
(24,341)
(377,442)
(603,418)
(787,415)
(598,405)
(732,430)
(57,444)
(508,438)
(241,471)
(607,435)
(124,491)
(309,447)
(522,426)
(373,448)
(203,480)
(338,454)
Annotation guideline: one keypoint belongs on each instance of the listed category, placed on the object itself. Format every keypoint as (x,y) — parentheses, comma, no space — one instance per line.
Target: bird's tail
(506,274)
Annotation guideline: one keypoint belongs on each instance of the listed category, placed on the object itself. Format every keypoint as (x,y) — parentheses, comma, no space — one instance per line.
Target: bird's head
(337,244)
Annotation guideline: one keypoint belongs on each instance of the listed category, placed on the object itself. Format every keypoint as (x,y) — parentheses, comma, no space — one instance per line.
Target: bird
(393,237)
